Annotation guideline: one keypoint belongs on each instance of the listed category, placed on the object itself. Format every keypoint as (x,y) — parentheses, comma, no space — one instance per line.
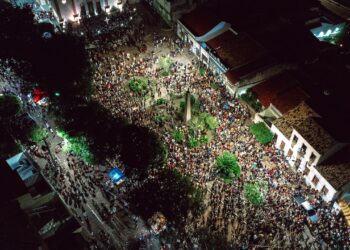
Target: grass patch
(261,132)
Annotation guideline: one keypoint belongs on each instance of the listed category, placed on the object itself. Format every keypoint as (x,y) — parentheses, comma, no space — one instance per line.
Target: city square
(148,148)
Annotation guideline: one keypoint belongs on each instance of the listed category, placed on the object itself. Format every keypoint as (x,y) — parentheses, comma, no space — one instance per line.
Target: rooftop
(305,121)
(235,50)
(282,91)
(336,170)
(200,21)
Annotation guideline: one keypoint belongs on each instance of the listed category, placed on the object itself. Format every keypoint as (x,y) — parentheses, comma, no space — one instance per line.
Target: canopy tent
(39,96)
(116,175)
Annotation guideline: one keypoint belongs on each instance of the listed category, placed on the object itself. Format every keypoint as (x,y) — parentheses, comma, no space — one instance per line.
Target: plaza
(141,75)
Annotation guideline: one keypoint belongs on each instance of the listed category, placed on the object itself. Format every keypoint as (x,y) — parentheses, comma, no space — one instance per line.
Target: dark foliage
(169,193)
(141,148)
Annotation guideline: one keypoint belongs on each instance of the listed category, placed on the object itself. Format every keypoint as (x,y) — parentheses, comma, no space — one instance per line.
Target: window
(324,190)
(306,171)
(315,180)
(282,145)
(302,150)
(297,163)
(312,158)
(290,153)
(295,140)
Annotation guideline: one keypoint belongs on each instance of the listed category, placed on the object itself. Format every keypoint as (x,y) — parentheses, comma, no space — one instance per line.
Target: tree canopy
(142,149)
(228,166)
(77,145)
(170,193)
(10,106)
(38,134)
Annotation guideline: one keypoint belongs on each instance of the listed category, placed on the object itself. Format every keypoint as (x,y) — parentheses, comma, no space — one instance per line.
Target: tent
(116,175)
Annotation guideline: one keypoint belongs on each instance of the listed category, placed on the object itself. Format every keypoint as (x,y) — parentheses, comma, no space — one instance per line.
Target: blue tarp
(116,174)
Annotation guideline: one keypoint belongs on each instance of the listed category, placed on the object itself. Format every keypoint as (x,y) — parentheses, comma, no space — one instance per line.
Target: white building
(308,146)
(235,56)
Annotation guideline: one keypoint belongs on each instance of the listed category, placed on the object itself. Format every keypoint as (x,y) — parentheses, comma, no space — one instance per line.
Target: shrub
(160,101)
(253,193)
(204,139)
(178,136)
(261,132)
(211,122)
(138,85)
(192,142)
(202,72)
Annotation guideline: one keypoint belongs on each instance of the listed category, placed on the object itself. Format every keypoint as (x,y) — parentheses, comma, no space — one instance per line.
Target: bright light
(131,18)
(328,32)
(64,1)
(134,9)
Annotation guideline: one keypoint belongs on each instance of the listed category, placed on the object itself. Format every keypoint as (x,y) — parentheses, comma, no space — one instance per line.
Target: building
(278,95)
(340,8)
(60,12)
(34,217)
(233,55)
(307,144)
(172,10)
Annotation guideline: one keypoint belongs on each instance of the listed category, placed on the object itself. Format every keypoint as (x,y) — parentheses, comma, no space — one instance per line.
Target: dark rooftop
(282,91)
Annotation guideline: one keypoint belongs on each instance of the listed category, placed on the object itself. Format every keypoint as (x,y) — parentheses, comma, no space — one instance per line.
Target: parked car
(313,217)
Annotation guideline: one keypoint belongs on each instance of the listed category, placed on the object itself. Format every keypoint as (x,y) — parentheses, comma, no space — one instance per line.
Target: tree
(77,145)
(142,149)
(170,193)
(261,132)
(10,106)
(38,134)
(8,146)
(228,167)
(17,31)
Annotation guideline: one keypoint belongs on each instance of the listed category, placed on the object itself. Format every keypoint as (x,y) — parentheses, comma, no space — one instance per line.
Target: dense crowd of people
(228,211)
(117,53)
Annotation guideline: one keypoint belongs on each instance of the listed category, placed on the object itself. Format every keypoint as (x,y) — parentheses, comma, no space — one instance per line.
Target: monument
(187,113)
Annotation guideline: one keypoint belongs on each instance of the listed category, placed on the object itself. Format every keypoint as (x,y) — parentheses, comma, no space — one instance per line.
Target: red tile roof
(200,21)
(234,75)
(235,50)
(282,91)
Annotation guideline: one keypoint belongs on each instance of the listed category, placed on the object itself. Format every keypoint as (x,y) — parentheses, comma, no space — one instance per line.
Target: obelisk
(187,114)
